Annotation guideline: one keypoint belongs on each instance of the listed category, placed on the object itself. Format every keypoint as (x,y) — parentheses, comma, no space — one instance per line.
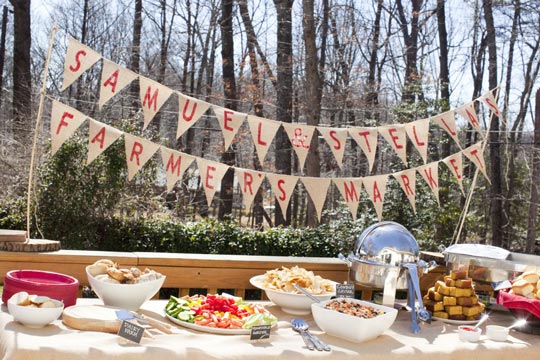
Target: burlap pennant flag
(447,121)
(336,139)
(396,136)
(65,120)
(489,99)
(475,154)
(455,164)
(376,188)
(407,181)
(283,188)
(230,122)
(418,132)
(153,95)
(249,181)
(366,138)
(211,173)
(263,132)
(79,58)
(350,189)
(300,136)
(190,111)
(113,79)
(100,137)
(138,152)
(175,164)
(468,112)
(430,173)
(317,189)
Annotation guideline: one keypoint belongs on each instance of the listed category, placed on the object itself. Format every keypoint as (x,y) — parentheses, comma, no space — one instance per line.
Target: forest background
(336,63)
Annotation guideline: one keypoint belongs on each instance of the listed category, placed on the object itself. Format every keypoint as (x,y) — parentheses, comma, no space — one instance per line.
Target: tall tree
(313,91)
(135,57)
(3,51)
(284,94)
(497,215)
(229,91)
(535,180)
(22,78)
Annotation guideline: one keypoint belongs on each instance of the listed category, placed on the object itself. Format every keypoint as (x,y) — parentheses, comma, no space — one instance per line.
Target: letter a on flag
(113,79)
(100,137)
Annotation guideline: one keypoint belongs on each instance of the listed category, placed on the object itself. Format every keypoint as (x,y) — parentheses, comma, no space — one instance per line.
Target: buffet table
(437,341)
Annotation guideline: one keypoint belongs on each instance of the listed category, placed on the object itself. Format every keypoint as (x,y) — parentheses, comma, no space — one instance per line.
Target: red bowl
(45,283)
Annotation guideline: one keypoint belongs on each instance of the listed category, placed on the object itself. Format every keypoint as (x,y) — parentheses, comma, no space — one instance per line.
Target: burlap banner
(336,139)
(114,78)
(64,122)
(100,137)
(79,58)
(138,152)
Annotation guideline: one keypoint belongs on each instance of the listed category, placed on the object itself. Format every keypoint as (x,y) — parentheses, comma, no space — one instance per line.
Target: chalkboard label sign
(131,331)
(260,332)
(345,290)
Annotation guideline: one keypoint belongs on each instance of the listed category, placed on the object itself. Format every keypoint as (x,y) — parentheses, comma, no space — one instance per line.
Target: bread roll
(530,276)
(522,287)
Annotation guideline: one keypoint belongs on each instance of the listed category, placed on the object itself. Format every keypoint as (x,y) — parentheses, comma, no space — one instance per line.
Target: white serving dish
(35,317)
(497,333)
(350,327)
(291,303)
(125,296)
(469,333)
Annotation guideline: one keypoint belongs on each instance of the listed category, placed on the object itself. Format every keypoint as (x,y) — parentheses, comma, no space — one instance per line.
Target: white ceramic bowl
(350,327)
(497,333)
(291,303)
(125,296)
(33,316)
(469,333)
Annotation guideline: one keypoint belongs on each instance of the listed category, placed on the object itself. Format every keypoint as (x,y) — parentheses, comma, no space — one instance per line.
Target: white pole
(36,130)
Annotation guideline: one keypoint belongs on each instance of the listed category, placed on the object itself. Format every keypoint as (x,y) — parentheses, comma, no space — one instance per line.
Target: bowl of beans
(352,319)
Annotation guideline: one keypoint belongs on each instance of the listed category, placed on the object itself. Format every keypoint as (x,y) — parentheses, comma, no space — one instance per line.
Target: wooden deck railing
(183,271)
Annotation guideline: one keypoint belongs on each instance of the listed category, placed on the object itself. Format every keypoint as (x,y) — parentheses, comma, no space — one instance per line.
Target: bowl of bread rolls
(123,287)
(34,310)
(522,299)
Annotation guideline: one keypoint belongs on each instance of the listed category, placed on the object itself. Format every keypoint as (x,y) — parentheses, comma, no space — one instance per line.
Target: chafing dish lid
(386,242)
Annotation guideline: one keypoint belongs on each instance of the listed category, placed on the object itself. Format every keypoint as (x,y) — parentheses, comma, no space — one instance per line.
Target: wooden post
(36,130)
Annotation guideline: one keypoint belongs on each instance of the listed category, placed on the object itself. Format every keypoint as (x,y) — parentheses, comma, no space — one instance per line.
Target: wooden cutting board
(92,318)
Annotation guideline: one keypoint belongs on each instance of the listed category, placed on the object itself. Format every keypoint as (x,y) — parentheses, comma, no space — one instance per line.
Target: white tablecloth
(437,341)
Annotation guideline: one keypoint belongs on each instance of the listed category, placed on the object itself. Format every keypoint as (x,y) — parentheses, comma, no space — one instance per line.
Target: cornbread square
(440,314)
(435,296)
(467,301)
(452,291)
(445,290)
(449,281)
(434,306)
(454,309)
(449,300)
(474,317)
(464,292)
(457,317)
(464,283)
(458,274)
(472,310)
(438,285)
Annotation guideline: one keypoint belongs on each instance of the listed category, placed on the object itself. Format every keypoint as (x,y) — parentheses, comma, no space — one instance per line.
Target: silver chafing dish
(489,263)
(386,256)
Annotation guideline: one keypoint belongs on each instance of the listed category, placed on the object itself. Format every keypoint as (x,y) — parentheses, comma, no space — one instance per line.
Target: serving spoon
(307,293)
(302,327)
(518,323)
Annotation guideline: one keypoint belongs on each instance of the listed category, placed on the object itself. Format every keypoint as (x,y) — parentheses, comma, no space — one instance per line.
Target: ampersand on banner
(299,139)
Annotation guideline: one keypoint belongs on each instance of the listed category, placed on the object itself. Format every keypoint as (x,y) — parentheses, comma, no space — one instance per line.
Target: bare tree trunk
(535,180)
(284,94)
(3,52)
(22,77)
(497,214)
(313,92)
(229,91)
(135,54)
(412,82)
(257,94)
